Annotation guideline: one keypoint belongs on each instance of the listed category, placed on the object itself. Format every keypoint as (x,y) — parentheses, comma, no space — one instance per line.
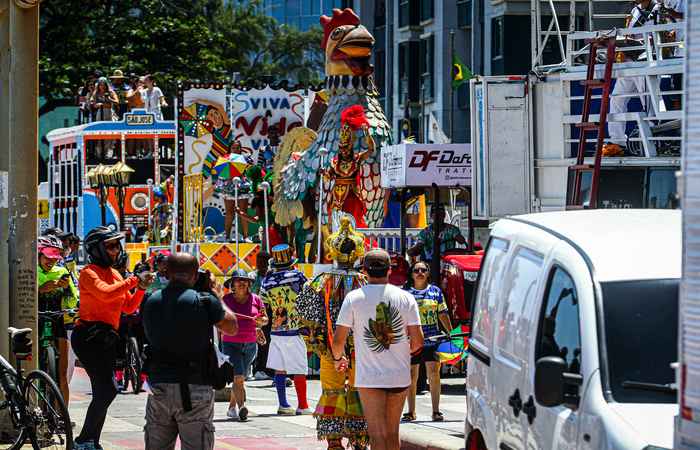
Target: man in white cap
(381,317)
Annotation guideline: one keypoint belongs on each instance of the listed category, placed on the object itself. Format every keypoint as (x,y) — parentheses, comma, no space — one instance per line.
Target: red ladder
(586,126)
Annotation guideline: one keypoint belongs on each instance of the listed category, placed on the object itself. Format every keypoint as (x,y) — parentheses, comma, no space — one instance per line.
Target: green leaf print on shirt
(385,329)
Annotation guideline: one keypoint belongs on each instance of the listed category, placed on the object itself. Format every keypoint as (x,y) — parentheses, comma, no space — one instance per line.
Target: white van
(575,328)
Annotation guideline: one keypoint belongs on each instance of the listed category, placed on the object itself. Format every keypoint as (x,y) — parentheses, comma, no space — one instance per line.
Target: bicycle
(50,355)
(31,407)
(132,366)
(132,362)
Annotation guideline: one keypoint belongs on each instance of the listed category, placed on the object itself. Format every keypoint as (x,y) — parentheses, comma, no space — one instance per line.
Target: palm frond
(396,322)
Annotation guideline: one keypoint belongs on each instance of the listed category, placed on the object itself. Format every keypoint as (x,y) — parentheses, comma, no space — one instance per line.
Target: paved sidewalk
(267,430)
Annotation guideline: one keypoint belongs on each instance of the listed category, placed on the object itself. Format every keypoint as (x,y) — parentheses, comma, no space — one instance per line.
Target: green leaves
(177,40)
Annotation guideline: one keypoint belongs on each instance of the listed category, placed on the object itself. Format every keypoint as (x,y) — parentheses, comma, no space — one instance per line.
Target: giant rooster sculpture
(348,46)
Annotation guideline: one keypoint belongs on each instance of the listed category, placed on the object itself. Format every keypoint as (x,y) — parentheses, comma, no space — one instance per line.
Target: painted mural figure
(221,133)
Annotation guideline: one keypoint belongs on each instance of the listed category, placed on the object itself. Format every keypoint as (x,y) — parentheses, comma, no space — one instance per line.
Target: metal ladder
(586,126)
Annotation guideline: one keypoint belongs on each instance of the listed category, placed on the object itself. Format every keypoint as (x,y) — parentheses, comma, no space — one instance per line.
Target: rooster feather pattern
(348,46)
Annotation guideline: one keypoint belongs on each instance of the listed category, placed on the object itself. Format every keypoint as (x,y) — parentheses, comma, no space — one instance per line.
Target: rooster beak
(356,48)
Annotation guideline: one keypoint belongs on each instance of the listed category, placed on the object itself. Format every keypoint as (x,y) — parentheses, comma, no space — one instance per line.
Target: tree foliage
(175,41)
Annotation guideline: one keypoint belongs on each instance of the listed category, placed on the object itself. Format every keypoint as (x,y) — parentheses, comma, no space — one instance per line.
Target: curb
(430,440)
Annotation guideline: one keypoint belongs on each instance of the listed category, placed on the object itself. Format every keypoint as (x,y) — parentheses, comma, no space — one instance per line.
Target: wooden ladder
(586,126)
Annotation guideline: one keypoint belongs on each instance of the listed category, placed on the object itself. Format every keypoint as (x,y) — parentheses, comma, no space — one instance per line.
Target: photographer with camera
(104,295)
(178,323)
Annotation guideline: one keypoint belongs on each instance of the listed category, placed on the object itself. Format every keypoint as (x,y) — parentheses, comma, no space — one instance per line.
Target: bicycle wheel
(51,425)
(134,365)
(51,363)
(12,436)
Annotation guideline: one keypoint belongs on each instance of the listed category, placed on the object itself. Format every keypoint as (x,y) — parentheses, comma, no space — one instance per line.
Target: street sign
(421,165)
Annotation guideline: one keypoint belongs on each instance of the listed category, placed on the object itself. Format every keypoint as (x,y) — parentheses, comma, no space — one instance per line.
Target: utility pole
(19,130)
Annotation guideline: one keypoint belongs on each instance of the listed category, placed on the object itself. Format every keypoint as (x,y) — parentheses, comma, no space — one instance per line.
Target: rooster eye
(336,33)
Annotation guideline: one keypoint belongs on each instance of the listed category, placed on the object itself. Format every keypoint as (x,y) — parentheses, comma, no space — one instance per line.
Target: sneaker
(119,374)
(285,410)
(243,413)
(304,412)
(232,413)
(260,375)
(289,382)
(87,445)
(249,377)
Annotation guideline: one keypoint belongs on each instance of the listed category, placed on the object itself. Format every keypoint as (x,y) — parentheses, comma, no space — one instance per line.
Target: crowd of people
(110,97)
(368,334)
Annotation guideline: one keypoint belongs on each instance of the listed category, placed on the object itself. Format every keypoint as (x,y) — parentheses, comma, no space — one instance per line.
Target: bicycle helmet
(95,248)
(50,246)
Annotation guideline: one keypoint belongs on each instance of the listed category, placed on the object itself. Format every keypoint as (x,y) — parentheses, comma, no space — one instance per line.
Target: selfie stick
(265,186)
(236,183)
(323,152)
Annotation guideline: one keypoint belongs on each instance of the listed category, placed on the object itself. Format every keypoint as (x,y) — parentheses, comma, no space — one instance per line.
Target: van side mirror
(551,379)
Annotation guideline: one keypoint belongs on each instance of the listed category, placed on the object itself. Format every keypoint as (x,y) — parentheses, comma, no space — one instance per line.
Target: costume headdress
(335,241)
(162,192)
(282,257)
(352,119)
(340,18)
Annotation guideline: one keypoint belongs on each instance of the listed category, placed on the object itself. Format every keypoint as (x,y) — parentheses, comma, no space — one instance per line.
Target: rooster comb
(340,18)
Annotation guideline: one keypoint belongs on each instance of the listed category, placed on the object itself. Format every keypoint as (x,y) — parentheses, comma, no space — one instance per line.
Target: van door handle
(515,402)
(530,410)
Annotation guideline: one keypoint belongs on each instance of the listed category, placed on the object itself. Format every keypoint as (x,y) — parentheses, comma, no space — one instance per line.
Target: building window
(464,13)
(408,76)
(409,13)
(426,65)
(426,10)
(497,38)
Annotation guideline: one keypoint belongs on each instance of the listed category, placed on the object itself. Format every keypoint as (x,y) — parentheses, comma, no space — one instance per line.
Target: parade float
(161,179)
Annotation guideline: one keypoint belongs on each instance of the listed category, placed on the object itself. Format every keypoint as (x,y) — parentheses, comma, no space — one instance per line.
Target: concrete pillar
(4,167)
(23,171)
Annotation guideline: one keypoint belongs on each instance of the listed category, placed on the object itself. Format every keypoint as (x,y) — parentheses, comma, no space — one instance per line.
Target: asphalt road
(264,429)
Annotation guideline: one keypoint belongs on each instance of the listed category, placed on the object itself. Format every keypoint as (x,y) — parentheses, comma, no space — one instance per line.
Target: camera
(201,284)
(142,269)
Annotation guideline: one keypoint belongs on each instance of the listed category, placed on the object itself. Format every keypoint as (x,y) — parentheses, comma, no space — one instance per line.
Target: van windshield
(641,333)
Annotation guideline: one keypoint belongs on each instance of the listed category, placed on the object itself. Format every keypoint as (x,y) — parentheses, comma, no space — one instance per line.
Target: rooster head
(348,45)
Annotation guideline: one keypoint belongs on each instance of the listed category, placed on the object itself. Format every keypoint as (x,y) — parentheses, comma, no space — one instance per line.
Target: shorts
(232,197)
(241,356)
(427,354)
(288,354)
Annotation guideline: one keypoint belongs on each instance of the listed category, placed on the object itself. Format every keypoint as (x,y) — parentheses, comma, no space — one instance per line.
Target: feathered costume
(162,214)
(339,412)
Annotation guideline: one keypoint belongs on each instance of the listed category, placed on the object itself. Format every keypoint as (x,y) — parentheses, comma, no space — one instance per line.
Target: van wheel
(475,441)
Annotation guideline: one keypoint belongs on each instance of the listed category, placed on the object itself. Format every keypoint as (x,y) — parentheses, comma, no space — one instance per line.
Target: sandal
(437,416)
(409,416)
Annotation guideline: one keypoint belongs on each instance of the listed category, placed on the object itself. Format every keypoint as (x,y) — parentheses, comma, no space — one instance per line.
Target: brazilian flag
(460,74)
(406,122)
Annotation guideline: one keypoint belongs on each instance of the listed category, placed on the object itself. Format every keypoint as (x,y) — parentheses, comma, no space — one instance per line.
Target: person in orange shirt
(104,295)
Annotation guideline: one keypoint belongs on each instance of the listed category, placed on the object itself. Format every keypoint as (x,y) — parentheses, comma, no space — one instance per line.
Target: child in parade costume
(345,169)
(339,412)
(161,215)
(227,190)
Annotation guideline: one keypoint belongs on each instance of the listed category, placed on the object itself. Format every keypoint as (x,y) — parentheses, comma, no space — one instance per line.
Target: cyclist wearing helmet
(104,295)
(56,292)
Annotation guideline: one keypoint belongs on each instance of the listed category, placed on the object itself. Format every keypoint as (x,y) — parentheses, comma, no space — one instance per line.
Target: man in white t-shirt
(382,317)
